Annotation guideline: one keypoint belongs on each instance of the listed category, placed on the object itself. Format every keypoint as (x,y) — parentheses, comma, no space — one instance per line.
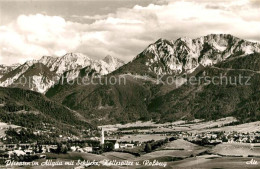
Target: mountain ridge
(33,110)
(185,54)
(71,64)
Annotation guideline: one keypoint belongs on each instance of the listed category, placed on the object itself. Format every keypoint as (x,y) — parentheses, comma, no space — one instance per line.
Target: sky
(120,28)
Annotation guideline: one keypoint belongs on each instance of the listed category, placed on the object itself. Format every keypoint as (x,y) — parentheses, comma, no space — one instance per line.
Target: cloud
(126,32)
(35,35)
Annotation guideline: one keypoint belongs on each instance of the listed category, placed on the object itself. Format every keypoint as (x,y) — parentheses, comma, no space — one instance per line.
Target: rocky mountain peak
(112,60)
(185,54)
(109,59)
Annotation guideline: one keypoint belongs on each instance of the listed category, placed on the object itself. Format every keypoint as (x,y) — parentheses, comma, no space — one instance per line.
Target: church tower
(102,136)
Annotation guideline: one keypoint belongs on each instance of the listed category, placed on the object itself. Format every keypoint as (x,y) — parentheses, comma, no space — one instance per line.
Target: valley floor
(238,151)
(192,156)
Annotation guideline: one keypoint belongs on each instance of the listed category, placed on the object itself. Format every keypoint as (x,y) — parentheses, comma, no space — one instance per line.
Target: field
(191,126)
(205,162)
(142,137)
(211,124)
(247,127)
(238,149)
(181,144)
(118,156)
(177,148)
(77,156)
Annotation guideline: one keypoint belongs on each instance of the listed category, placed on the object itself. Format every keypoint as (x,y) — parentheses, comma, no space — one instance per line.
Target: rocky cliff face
(6,69)
(185,54)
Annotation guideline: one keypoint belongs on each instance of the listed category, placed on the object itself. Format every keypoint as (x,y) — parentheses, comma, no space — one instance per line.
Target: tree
(108,147)
(224,139)
(204,141)
(61,148)
(148,148)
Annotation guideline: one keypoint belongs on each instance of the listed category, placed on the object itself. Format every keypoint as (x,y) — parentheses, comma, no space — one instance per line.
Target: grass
(236,149)
(175,149)
(118,156)
(223,162)
(76,156)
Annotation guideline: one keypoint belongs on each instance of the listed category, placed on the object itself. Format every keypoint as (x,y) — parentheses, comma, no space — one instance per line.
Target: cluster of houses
(253,137)
(230,137)
(86,149)
(116,144)
(121,145)
(9,150)
(89,149)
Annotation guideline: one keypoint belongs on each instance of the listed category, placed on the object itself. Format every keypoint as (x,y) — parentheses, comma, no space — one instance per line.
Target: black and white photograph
(130,84)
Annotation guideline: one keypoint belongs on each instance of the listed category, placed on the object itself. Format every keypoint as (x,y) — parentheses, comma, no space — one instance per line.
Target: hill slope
(106,103)
(33,110)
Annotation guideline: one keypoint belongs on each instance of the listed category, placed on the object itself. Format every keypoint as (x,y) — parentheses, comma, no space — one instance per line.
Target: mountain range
(185,54)
(40,75)
(142,97)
